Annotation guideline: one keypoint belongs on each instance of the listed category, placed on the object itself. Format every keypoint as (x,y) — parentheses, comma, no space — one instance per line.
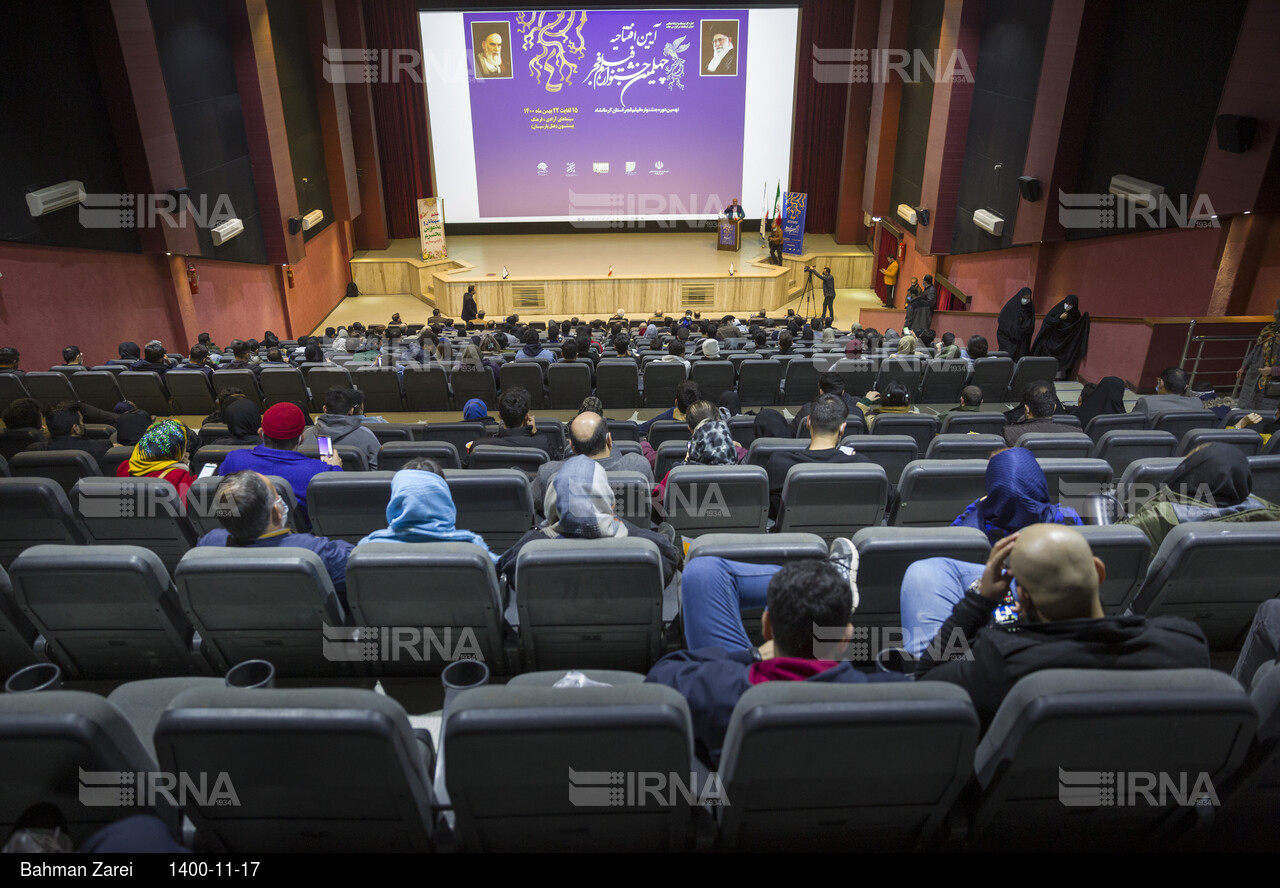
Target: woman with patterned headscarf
(1262,370)
(710,442)
(161,453)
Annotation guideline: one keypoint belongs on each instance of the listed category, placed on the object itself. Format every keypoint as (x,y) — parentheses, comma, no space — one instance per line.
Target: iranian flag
(777,205)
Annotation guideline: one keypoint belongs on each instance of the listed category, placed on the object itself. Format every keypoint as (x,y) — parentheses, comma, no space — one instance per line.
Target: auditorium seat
(146,390)
(462,612)
(632,496)
(1065,422)
(1179,422)
(942,382)
(669,455)
(762,449)
(1072,481)
(873,767)
(1265,471)
(1057,445)
(394,454)
(348,505)
(1107,422)
(1231,417)
(921,428)
(1028,370)
(49,389)
(528,374)
(459,434)
(623,429)
(118,454)
(859,374)
(65,467)
(223,593)
(1120,447)
(145,512)
(497,456)
(800,385)
(105,612)
(97,388)
(35,511)
(1044,764)
(714,378)
(469,385)
(907,370)
(570,618)
(1142,478)
(191,392)
(4,468)
(832,500)
(506,752)
(668,430)
(494,503)
(1247,441)
(17,635)
(387,432)
(977,423)
(1270,447)
(618,383)
(315,769)
(891,452)
(51,741)
(354,459)
(569,384)
(992,375)
(758,383)
(743,429)
(12,389)
(933,492)
(426,389)
(964,446)
(283,385)
(381,387)
(1126,552)
(210,453)
(885,553)
(1214,574)
(243,379)
(660,381)
(717,499)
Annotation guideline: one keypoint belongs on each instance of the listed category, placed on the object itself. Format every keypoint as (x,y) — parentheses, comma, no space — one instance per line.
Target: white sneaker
(844,558)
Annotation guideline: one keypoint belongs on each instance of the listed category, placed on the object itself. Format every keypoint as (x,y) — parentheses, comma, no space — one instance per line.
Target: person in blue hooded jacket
(1017,497)
(421,510)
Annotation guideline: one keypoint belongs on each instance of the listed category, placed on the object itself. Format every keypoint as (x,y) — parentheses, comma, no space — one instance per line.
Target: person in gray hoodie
(343,425)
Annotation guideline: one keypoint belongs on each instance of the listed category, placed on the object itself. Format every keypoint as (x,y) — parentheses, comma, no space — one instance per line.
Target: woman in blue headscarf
(1017,497)
(422,511)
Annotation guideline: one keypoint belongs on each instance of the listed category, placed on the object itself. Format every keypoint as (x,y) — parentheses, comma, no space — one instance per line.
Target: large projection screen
(609,115)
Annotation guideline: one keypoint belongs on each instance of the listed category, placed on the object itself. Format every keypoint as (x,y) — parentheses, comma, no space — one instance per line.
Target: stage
(569,275)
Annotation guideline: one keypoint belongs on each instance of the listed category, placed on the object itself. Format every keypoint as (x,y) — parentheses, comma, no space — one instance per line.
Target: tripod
(805,306)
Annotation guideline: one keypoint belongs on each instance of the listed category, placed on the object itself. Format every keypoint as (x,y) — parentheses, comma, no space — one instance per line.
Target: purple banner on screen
(607,113)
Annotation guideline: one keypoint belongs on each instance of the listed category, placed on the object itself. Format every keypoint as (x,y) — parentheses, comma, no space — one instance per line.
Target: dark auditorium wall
(923,29)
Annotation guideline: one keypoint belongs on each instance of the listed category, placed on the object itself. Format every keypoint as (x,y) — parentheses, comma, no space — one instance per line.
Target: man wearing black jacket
(1060,623)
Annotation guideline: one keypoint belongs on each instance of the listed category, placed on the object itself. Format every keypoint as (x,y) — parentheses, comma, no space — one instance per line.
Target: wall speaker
(1031,188)
(1235,133)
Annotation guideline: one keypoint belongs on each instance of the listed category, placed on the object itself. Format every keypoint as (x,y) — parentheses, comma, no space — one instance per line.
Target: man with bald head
(1054,577)
(589,436)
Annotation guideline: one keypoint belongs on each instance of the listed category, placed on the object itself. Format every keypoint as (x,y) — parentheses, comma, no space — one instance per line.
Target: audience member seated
(1264,427)
(1171,395)
(533,349)
(1212,483)
(1106,399)
(675,355)
(161,453)
(421,509)
(1060,624)
(710,444)
(129,351)
(907,345)
(9,361)
(132,425)
(589,436)
(66,432)
(831,384)
(711,350)
(1261,651)
(243,419)
(784,342)
(518,427)
(259,521)
(896,399)
(1017,497)
(243,357)
(622,346)
(475,410)
(473,362)
(154,359)
(970,400)
(827,419)
(949,351)
(71,357)
(341,425)
(686,393)
(975,349)
(1038,406)
(199,360)
(714,675)
(282,428)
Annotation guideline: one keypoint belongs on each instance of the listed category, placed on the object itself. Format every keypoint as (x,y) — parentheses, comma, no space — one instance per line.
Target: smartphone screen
(208,469)
(325,444)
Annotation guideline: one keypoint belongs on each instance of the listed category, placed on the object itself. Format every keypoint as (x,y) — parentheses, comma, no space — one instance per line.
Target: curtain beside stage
(817,145)
(400,110)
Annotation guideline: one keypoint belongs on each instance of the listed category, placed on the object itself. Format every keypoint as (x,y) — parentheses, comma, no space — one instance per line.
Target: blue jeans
(931,588)
(714,592)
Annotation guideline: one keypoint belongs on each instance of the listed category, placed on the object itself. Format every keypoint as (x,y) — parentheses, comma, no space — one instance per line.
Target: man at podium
(734,211)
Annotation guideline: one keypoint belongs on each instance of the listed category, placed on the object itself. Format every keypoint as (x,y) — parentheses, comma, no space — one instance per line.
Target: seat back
(97,388)
(1247,441)
(570,619)
(146,390)
(873,766)
(394,454)
(471,384)
(921,428)
(1126,552)
(146,512)
(523,373)
(977,423)
(1142,479)
(116,455)
(890,452)
(992,375)
(964,446)
(1060,733)
(1179,422)
(495,503)
(12,389)
(1214,574)
(17,635)
(760,450)
(1107,422)
(243,379)
(445,594)
(942,382)
(885,553)
(1120,447)
(832,500)
(664,430)
(624,430)
(35,511)
(66,467)
(48,388)
(632,496)
(714,378)
(1265,471)
(1057,445)
(800,385)
(907,370)
(459,434)
(323,377)
(507,750)
(618,383)
(1073,481)
(221,592)
(933,492)
(381,387)
(660,381)
(376,792)
(354,459)
(717,499)
(570,384)
(105,612)
(348,505)
(1027,371)
(210,453)
(496,456)
(758,383)
(191,391)
(670,454)
(859,374)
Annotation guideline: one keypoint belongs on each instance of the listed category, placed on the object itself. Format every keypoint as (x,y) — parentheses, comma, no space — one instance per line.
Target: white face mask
(1026,301)
(284,510)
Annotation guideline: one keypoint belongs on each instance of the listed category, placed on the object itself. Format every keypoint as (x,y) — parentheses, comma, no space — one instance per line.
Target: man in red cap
(282,427)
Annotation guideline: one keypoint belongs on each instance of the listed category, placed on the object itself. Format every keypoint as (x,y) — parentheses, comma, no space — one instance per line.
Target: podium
(728,234)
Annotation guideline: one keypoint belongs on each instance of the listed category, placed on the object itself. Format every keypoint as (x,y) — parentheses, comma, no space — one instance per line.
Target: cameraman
(828,292)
